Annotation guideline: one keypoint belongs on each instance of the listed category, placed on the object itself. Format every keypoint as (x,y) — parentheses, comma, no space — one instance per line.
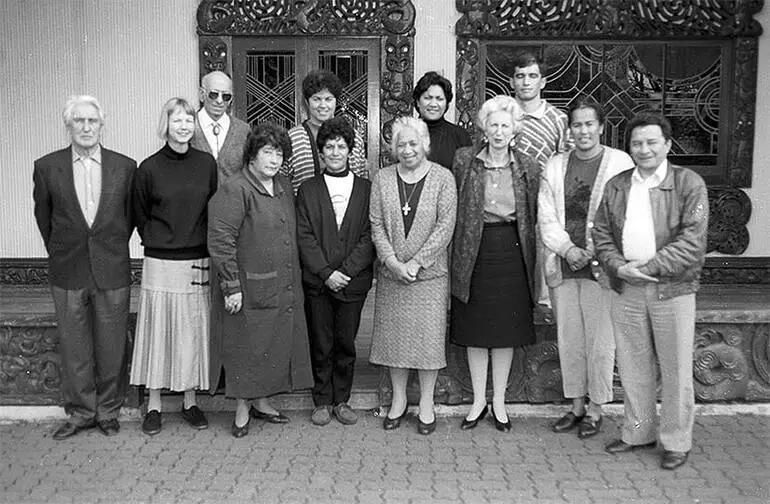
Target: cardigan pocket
(262,290)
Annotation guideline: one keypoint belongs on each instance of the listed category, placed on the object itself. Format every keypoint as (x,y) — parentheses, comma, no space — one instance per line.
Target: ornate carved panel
(219,21)
(694,60)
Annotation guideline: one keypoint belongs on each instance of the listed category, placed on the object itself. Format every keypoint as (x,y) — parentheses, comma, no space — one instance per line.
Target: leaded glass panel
(269,84)
(351,67)
(682,80)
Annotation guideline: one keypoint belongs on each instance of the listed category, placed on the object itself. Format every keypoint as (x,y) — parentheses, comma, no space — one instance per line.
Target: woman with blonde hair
(171,192)
(493,255)
(412,213)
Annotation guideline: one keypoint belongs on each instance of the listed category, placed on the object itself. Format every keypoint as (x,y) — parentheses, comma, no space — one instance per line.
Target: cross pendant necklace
(407,197)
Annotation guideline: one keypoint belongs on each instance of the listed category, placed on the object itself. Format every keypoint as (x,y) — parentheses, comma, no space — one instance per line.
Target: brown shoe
(321,415)
(345,414)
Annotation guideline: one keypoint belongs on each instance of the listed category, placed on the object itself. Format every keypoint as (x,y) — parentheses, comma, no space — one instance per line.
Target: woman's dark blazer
(469,175)
(323,248)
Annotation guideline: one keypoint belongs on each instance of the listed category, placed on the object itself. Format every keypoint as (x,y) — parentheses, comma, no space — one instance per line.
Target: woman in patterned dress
(412,212)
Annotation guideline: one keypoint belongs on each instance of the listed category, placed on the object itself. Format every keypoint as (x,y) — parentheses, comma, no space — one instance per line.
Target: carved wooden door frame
(392,21)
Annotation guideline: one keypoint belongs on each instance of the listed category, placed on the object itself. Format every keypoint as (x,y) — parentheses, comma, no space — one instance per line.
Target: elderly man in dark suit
(82,210)
(336,251)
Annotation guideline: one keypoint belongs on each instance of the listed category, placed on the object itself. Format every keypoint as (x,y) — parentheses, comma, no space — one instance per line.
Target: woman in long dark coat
(258,325)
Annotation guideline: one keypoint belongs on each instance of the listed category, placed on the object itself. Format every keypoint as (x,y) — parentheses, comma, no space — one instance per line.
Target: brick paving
(302,463)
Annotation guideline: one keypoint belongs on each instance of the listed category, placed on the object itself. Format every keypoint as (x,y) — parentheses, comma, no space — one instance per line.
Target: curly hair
(404,123)
(500,103)
(336,127)
(318,80)
(266,133)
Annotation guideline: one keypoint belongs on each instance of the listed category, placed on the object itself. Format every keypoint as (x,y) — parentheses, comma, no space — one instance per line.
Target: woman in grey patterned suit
(412,211)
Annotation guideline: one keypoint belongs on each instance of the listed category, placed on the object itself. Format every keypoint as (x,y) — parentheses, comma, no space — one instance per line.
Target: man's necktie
(216,128)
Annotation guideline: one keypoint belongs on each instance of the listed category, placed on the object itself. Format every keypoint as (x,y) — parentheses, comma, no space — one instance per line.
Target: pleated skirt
(171,346)
(498,313)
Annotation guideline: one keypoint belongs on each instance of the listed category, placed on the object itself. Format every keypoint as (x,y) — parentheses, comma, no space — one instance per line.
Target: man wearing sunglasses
(216,131)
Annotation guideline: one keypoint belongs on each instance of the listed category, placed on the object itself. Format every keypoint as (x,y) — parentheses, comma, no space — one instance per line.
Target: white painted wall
(133,55)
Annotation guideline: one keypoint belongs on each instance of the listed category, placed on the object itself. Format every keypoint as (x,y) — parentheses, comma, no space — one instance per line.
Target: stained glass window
(681,79)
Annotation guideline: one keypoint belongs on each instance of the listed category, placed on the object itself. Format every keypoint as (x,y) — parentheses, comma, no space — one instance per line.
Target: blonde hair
(501,103)
(169,108)
(404,123)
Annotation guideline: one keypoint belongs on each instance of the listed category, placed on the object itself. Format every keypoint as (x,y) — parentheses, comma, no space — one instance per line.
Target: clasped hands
(631,273)
(337,281)
(404,272)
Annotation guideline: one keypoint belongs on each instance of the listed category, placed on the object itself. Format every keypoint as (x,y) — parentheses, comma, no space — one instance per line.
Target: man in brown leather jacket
(650,235)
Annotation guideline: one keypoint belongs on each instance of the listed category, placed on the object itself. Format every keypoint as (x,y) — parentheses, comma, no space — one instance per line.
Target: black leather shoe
(589,426)
(501,426)
(195,417)
(268,417)
(470,424)
(239,432)
(673,459)
(620,446)
(69,429)
(426,428)
(567,422)
(109,427)
(152,423)
(394,423)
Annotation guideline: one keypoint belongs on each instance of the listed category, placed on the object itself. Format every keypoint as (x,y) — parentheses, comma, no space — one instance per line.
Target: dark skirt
(499,309)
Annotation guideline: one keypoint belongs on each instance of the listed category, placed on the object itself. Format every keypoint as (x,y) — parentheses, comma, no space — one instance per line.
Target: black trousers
(92,343)
(332,327)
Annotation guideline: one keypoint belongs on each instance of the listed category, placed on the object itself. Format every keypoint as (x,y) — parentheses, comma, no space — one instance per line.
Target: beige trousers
(585,337)
(647,328)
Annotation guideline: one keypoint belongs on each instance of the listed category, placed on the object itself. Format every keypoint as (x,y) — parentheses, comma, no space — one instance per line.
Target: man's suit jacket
(323,248)
(78,253)
(230,158)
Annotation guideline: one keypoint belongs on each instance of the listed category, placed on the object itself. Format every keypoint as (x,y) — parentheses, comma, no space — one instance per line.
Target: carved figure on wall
(213,55)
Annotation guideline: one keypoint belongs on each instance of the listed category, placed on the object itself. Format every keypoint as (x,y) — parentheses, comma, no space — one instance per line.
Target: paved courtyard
(302,463)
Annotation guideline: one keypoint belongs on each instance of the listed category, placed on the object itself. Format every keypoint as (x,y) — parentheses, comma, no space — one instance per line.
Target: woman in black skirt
(493,256)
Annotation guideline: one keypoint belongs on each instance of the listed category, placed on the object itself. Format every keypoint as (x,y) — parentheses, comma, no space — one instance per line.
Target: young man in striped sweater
(545,131)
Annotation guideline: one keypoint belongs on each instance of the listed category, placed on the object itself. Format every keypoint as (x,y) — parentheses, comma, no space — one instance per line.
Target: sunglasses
(226,97)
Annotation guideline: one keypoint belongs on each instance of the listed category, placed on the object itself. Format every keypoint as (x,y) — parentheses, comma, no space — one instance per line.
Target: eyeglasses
(226,97)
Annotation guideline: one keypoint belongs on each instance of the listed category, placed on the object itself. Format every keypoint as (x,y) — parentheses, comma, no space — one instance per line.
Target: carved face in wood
(397,51)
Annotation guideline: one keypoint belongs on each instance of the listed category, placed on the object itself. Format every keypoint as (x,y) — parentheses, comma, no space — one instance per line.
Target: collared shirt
(87,175)
(499,197)
(544,131)
(639,228)
(208,127)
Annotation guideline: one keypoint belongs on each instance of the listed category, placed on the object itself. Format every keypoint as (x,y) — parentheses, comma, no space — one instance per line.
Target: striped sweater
(544,133)
(301,166)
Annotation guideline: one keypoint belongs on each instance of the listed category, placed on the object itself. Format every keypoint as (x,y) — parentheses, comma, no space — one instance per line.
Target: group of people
(260,249)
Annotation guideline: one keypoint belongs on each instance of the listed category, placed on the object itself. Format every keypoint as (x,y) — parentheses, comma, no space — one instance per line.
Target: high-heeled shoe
(239,432)
(426,428)
(394,423)
(501,426)
(470,424)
